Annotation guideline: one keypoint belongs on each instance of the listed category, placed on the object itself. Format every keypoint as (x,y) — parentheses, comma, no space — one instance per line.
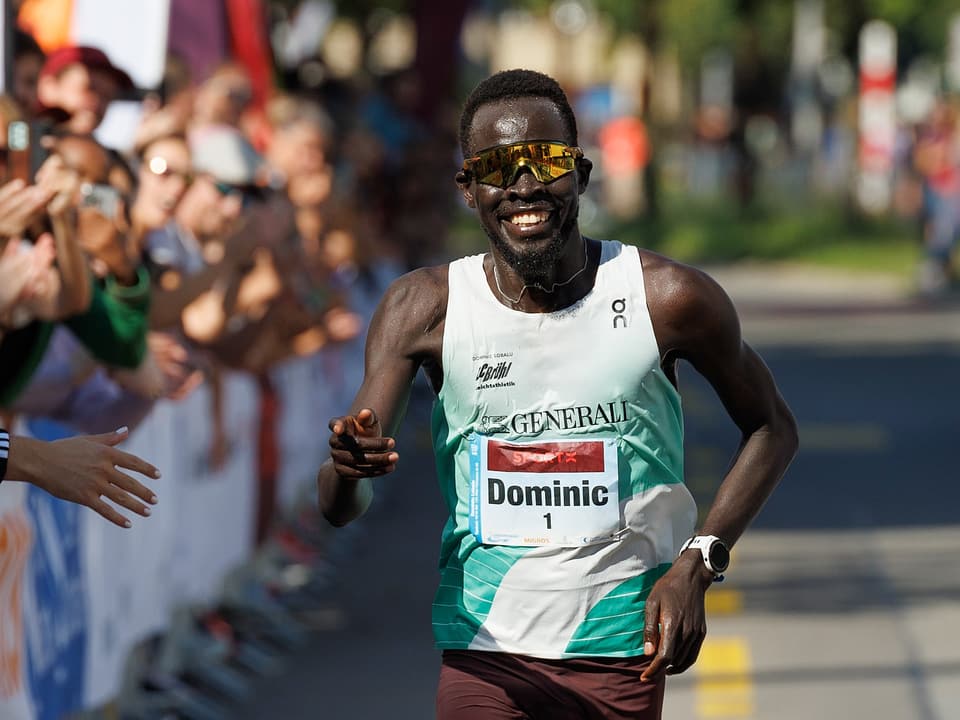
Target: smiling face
(531,225)
(163,178)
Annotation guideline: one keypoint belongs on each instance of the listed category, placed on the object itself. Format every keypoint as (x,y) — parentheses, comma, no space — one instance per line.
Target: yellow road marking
(724,685)
(723,601)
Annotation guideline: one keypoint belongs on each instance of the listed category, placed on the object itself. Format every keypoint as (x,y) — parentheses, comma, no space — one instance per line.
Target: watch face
(719,557)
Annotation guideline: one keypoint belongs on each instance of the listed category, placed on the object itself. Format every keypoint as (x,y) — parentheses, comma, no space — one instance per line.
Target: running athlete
(571,580)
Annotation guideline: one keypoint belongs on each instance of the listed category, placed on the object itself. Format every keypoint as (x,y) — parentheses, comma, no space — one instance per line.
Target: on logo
(619,307)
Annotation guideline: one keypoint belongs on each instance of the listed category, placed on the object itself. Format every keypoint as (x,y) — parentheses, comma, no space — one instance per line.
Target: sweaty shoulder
(690,311)
(413,309)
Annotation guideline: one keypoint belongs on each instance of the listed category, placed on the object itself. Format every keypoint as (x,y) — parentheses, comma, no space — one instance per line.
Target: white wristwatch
(713,550)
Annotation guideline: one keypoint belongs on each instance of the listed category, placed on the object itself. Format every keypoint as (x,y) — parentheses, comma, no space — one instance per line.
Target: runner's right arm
(406,332)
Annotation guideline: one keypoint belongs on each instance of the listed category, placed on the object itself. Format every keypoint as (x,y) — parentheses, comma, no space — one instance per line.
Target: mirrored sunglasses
(499,166)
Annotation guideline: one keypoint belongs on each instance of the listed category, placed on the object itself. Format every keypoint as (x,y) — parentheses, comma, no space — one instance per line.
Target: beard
(535,266)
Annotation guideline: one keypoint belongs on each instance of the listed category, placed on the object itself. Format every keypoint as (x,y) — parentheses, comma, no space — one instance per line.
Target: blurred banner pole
(878,115)
(6,37)
(247,20)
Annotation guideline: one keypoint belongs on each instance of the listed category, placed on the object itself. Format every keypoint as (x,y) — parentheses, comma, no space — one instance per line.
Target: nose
(524,182)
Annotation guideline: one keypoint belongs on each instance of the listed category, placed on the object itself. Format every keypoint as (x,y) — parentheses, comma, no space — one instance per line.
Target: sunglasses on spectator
(239,95)
(159,167)
(226,189)
(248,194)
(499,165)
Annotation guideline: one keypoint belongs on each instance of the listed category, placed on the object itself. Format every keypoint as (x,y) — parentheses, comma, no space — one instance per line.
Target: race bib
(544,493)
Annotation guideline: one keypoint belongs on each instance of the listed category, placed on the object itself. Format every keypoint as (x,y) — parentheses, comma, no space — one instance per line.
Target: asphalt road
(842,599)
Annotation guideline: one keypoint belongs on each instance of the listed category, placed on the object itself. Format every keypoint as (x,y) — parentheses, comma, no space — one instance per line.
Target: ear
(584,167)
(462,178)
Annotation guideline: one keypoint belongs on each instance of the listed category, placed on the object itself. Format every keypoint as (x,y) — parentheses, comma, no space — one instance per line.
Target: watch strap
(703,543)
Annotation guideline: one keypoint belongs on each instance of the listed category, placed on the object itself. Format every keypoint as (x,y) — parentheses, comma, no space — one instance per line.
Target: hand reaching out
(357,447)
(20,205)
(167,370)
(86,470)
(14,274)
(61,183)
(25,273)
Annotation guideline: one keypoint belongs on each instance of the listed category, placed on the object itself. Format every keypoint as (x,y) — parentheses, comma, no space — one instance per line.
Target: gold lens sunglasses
(499,165)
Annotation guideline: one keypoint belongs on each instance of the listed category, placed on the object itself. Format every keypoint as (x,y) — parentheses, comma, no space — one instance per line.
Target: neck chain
(553,287)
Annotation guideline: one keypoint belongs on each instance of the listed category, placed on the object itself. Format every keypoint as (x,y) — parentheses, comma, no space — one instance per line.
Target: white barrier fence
(77,593)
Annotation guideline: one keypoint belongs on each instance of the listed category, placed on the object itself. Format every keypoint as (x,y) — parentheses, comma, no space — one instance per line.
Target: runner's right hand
(358,448)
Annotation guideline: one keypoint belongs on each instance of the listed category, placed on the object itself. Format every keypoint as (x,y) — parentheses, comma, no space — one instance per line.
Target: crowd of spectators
(228,238)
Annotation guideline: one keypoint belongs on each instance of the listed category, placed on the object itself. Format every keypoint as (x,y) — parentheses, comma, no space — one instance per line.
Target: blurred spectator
(223,97)
(113,327)
(82,82)
(209,217)
(52,292)
(28,60)
(168,111)
(174,248)
(66,384)
(299,163)
(936,158)
(163,176)
(102,215)
(390,113)
(298,153)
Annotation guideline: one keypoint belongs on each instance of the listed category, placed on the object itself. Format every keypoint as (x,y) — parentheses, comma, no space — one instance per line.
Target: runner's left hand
(675,624)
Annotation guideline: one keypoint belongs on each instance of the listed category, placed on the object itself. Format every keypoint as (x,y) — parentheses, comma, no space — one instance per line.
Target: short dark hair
(25,44)
(516,83)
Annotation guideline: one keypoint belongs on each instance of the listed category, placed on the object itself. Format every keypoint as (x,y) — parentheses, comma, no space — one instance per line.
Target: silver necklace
(553,287)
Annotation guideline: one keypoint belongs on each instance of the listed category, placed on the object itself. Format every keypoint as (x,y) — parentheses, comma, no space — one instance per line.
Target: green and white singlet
(559,450)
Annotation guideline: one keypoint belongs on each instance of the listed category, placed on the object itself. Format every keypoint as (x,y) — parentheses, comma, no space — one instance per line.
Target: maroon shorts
(478,685)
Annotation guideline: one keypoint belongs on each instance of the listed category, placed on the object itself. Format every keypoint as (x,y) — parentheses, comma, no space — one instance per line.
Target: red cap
(91,57)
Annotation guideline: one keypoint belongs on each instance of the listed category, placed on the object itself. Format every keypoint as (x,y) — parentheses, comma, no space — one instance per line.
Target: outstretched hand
(358,448)
(23,273)
(675,624)
(20,205)
(87,470)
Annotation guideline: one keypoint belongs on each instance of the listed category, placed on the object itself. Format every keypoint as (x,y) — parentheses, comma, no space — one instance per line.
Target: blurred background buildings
(722,111)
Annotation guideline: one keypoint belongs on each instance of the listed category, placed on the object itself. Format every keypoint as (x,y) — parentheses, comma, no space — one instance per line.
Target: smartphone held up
(25,150)
(18,151)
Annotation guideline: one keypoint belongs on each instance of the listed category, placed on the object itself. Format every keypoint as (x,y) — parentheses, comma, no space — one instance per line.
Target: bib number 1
(562,493)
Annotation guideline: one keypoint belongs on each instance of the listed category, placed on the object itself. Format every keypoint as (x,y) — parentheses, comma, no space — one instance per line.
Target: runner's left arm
(697,322)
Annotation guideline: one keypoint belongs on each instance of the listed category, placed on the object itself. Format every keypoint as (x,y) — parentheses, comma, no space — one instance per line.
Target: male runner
(557,431)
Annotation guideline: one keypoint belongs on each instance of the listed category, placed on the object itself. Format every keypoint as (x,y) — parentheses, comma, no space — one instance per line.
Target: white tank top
(559,450)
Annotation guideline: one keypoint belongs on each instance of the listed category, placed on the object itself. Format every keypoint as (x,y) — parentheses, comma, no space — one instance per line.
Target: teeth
(529,218)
